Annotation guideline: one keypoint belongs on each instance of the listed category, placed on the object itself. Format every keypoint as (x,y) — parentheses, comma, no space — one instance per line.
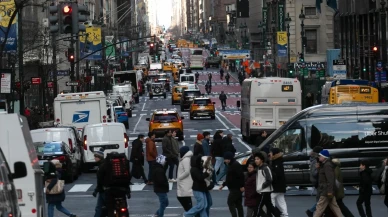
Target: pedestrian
(161,187)
(228,144)
(208,168)
(314,164)
(259,139)
(251,197)
(223,99)
(365,190)
(264,185)
(218,152)
(251,159)
(210,76)
(383,181)
(171,151)
(198,149)
(199,188)
(340,192)
(184,181)
(137,156)
(326,180)
(227,77)
(278,181)
(221,73)
(309,99)
(208,87)
(151,153)
(55,193)
(196,77)
(235,183)
(206,143)
(99,158)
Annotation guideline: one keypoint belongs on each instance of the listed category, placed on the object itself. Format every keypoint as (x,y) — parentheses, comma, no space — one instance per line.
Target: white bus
(196,58)
(267,103)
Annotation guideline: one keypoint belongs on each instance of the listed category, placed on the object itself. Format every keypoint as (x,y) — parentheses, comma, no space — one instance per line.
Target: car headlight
(243,160)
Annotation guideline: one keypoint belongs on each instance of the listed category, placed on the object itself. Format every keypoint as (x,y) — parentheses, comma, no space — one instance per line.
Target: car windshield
(163,118)
(48,148)
(192,93)
(180,89)
(187,78)
(202,101)
(119,109)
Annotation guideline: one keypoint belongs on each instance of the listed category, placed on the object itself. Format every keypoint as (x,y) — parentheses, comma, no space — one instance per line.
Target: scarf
(384,175)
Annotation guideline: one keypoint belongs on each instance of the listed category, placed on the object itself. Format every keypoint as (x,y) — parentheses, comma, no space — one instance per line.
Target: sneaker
(309,213)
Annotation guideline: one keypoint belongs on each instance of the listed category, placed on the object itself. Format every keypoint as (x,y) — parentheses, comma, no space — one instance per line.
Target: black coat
(234,176)
(160,179)
(137,152)
(251,196)
(54,198)
(197,174)
(101,175)
(366,182)
(278,177)
(227,144)
(198,149)
(217,149)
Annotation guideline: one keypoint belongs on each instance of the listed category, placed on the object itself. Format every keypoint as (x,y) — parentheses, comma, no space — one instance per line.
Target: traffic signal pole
(78,56)
(20,56)
(72,73)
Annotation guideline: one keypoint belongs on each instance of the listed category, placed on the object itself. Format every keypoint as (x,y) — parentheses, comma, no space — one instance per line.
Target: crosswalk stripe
(80,188)
(137,187)
(170,185)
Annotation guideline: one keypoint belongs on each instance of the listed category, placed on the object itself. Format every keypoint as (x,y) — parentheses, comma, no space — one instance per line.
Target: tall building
(152,15)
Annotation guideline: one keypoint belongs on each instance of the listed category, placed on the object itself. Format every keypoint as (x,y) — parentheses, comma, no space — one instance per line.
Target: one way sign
(72,83)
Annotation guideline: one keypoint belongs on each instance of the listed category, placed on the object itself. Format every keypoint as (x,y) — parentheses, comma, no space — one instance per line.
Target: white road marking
(80,188)
(143,107)
(223,123)
(134,115)
(138,121)
(244,144)
(137,187)
(183,143)
(170,184)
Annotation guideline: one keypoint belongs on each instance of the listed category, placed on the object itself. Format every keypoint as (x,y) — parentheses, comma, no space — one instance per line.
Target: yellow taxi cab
(167,66)
(202,107)
(177,94)
(166,119)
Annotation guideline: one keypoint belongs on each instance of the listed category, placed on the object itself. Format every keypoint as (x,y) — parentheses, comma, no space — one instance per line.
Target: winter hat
(99,154)
(275,151)
(317,149)
(200,136)
(161,159)
(183,150)
(228,155)
(324,153)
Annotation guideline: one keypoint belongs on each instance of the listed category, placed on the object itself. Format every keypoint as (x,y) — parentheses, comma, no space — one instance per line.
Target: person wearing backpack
(161,187)
(365,190)
(55,199)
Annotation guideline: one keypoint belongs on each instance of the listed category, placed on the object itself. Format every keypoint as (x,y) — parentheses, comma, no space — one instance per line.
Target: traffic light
(364,69)
(301,57)
(54,19)
(152,49)
(67,19)
(78,16)
(304,41)
(70,55)
(356,74)
(291,71)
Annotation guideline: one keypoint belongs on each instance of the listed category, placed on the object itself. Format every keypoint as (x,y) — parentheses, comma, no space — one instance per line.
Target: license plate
(166,125)
(202,107)
(41,162)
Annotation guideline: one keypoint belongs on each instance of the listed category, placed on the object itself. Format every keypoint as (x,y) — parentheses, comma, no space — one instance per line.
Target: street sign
(5,83)
(36,80)
(339,69)
(72,83)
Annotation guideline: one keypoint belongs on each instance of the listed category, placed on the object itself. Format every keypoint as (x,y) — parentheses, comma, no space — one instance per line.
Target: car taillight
(71,144)
(33,210)
(180,121)
(85,143)
(123,209)
(58,120)
(126,140)
(61,158)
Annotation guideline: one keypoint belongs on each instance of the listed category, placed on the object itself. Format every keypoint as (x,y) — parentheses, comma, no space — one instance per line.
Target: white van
(16,143)
(66,135)
(112,137)
(189,85)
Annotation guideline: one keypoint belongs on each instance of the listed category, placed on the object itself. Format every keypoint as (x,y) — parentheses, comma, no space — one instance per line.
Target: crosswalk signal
(70,55)
(67,20)
(301,57)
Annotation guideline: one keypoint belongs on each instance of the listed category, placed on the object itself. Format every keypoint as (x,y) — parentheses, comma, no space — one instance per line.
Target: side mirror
(20,170)
(214,103)
(182,117)
(238,104)
(148,119)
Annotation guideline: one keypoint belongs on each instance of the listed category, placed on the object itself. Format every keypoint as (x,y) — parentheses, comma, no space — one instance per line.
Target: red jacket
(252,198)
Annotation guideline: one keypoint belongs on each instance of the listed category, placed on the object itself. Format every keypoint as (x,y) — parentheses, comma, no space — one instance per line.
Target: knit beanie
(200,136)
(324,153)
(228,155)
(183,150)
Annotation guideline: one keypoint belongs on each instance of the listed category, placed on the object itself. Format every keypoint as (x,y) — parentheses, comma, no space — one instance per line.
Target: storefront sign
(280,16)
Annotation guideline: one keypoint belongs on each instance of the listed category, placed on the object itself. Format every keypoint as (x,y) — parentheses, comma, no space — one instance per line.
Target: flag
(318,5)
(332,4)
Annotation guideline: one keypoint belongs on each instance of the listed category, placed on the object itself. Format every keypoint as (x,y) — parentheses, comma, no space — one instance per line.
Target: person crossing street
(223,99)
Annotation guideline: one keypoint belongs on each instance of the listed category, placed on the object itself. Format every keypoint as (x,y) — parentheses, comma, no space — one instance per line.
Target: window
(310,11)
(48,148)
(290,141)
(192,93)
(331,136)
(312,41)
(202,102)
(165,118)
(373,133)
(179,89)
(187,78)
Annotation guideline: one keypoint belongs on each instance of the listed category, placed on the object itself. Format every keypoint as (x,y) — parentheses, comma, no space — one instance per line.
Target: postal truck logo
(81,117)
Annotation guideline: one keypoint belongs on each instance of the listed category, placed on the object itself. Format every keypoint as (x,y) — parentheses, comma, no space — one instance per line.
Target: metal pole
(383,15)
(55,71)
(288,44)
(20,56)
(72,75)
(77,53)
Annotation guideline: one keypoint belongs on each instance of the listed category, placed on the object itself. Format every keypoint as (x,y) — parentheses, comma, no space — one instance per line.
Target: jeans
(60,208)
(235,203)
(171,162)
(364,199)
(100,204)
(150,169)
(209,201)
(279,202)
(163,203)
(220,165)
(200,207)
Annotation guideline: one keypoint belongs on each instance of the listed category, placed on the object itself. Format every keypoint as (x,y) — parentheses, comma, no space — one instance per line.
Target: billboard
(91,42)
(8,8)
(282,44)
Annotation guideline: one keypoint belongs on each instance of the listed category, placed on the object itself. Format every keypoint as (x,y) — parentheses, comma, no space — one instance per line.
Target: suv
(158,89)
(188,97)
(202,107)
(165,119)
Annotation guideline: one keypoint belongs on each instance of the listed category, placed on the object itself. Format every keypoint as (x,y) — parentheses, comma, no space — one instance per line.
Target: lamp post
(287,20)
(302,17)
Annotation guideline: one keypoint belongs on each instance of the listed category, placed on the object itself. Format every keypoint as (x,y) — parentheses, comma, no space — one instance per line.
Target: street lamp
(287,20)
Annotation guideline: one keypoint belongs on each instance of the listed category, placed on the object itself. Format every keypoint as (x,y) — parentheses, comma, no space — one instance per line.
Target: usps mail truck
(79,109)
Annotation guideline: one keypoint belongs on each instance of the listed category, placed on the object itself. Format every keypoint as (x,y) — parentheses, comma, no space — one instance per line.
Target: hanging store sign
(281,16)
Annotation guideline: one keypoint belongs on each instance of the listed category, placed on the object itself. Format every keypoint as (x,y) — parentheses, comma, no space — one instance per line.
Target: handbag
(57,189)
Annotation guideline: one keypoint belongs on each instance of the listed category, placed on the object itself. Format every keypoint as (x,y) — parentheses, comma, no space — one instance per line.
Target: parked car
(121,116)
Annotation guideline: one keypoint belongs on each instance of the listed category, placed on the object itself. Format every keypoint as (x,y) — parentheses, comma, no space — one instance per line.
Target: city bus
(267,103)
(353,94)
(196,58)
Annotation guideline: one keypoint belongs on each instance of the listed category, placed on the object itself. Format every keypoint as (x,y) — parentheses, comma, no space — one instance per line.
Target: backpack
(117,170)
